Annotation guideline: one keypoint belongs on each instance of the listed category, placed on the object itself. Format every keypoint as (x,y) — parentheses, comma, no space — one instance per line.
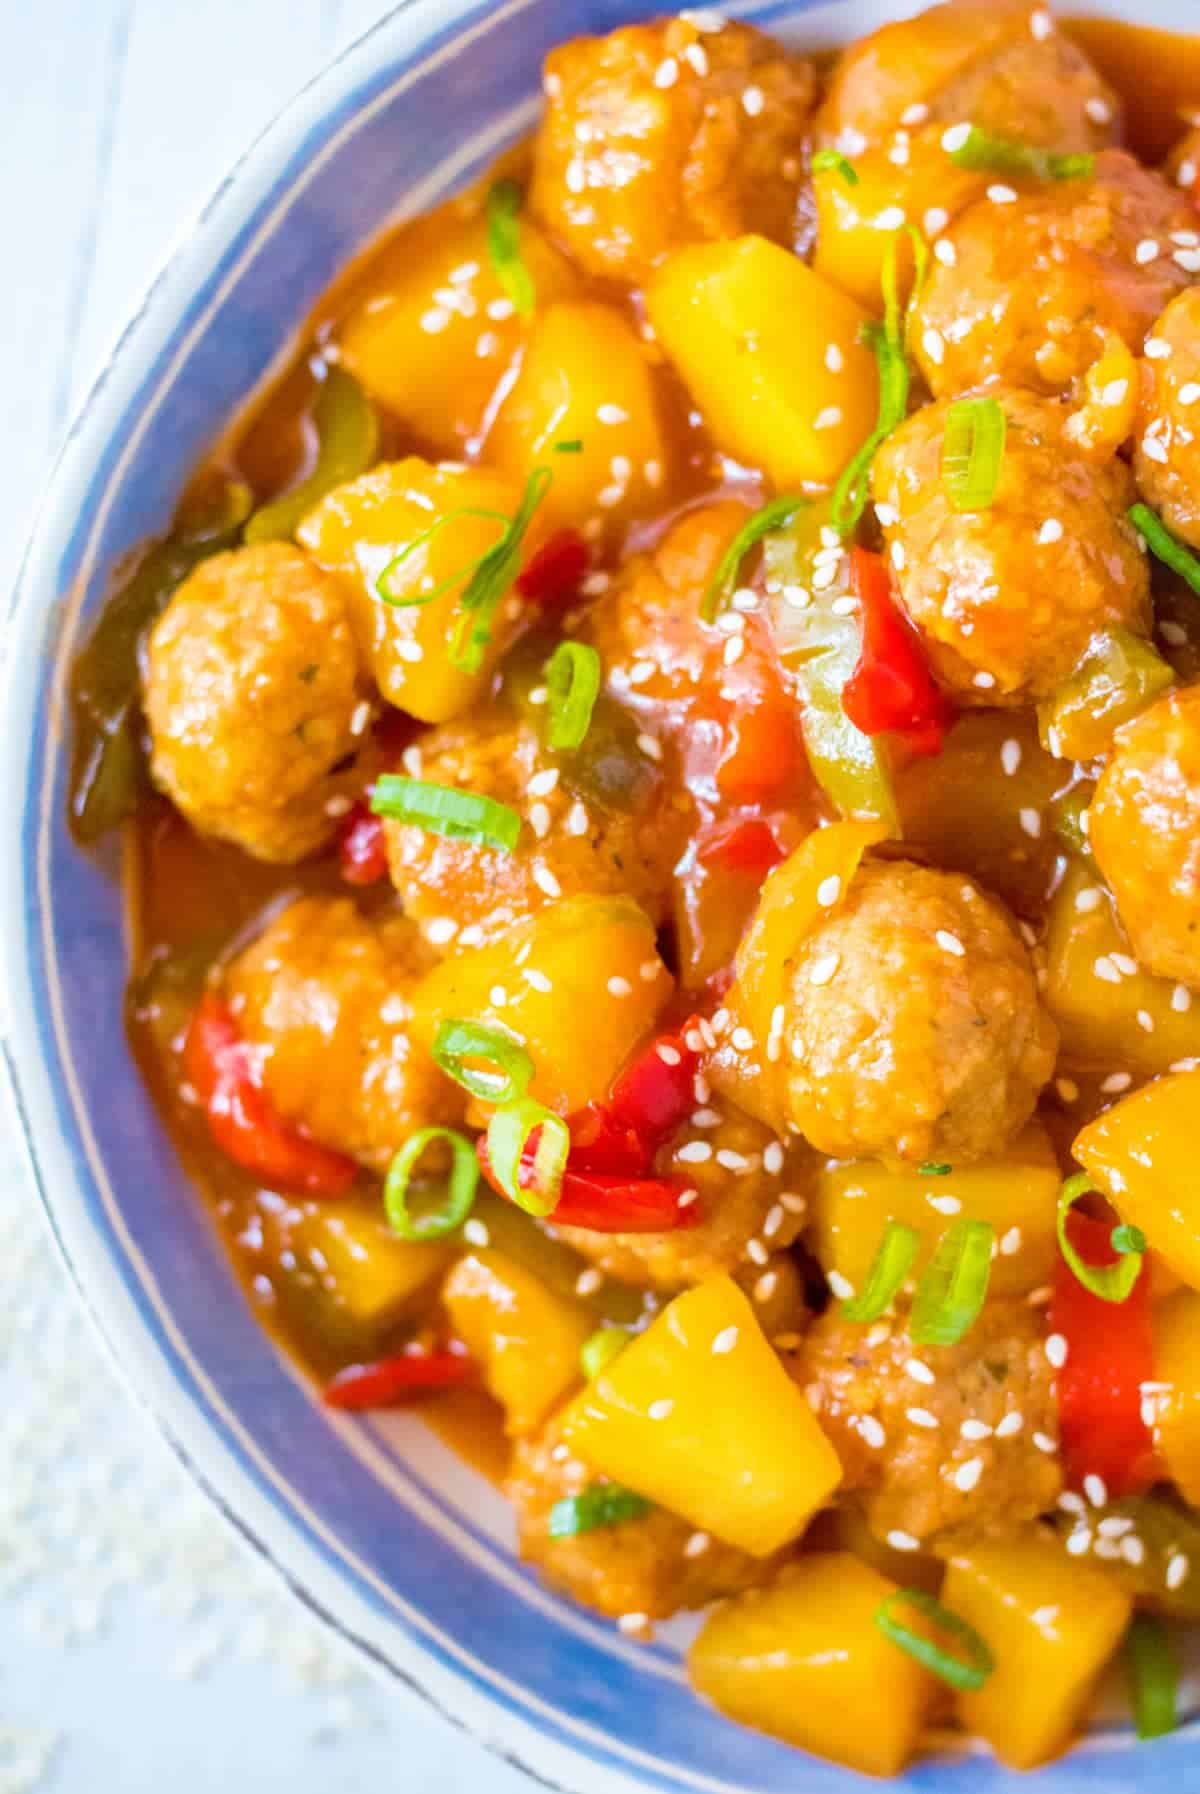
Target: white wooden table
(139,1651)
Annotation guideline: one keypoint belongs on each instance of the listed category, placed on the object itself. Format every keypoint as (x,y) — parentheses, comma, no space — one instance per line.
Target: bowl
(372,1522)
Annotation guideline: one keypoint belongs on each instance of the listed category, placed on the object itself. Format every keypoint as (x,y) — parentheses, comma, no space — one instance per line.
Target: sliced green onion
(503,208)
(1112,1283)
(1168,548)
(987,153)
(1153,1675)
(890,1266)
(511,1067)
(605,1344)
(573,446)
(931,1169)
(347,444)
(965,1675)
(460,1188)
(772,516)
(952,1290)
(493,576)
(888,343)
(508,1135)
(572,687)
(444,810)
(603,1504)
(839,164)
(972,452)
(426,595)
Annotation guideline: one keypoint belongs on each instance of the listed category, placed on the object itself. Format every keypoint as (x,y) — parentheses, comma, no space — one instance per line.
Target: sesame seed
(588,1282)
(742,1040)
(1070,1503)
(1031,822)
(662,1409)
(1116,1082)
(1177,1570)
(1096,1490)
(634,1625)
(537,980)
(829,890)
(903,1541)
(697,1545)
(1010,756)
(546,882)
(774,1220)
(920,1373)
(1181,999)
(733,1161)
(1079,1542)
(1051,531)
(667,73)
(1156,348)
(539,820)
(1114,393)
(543,783)
(697,55)
(766,1286)
(899,557)
(872,1433)
(975,1430)
(967,1475)
(442,930)
(1001,195)
(835,361)
(1088,900)
(1041,25)
(1145,1021)
(1115,1526)
(757,1253)
(1098,110)
(921,1417)
(984,681)
(475,1232)
(687,1199)
(955,137)
(612,414)
(888,515)
(695,1152)
(753,101)
(1187,259)
(434,320)
(828,419)
(1056,1350)
(1146,251)
(1010,1243)
(841,1286)
(945,252)
(891,218)
(1105,970)
(825,968)
(950,943)
(795,1205)
(1189,393)
(935,220)
(934,345)
(945,1205)
(773,1158)
(650,746)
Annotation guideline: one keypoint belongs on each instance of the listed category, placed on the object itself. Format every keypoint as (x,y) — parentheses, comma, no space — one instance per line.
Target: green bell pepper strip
(347,445)
(819,647)
(107,775)
(1118,676)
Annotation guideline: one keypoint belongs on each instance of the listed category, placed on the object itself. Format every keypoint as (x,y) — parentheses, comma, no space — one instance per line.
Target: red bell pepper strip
(226,1077)
(362,847)
(600,1143)
(604,1203)
(762,755)
(891,690)
(747,845)
(555,570)
(1110,1354)
(390,1382)
(656,1091)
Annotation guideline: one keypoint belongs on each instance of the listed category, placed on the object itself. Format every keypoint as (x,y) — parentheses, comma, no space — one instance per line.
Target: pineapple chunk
(524,1336)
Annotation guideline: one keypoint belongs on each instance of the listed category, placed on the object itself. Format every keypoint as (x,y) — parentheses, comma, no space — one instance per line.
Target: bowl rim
(193,1437)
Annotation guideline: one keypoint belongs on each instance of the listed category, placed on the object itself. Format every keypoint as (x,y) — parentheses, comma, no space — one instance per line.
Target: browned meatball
(750,1195)
(327,997)
(896,1414)
(568,846)
(1008,597)
(1028,287)
(1144,827)
(252,696)
(654,1566)
(664,134)
(911,1027)
(1000,64)
(1167,453)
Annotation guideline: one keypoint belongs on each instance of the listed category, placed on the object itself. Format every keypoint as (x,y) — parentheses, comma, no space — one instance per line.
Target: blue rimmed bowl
(403,1549)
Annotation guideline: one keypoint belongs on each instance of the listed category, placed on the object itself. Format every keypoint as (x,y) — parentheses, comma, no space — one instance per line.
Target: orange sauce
(1157,74)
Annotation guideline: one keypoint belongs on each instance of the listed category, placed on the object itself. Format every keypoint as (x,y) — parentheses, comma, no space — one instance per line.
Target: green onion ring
(572,687)
(954,1286)
(1112,1283)
(456,1041)
(837,163)
(493,576)
(445,810)
(890,1266)
(507,1137)
(503,211)
(772,516)
(1153,1675)
(966,1676)
(460,1190)
(986,153)
(466,571)
(1166,547)
(602,1504)
(973,452)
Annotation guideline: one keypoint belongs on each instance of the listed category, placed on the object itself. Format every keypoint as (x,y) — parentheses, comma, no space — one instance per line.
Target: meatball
(1167,453)
(568,846)
(748,1196)
(326,998)
(664,134)
(655,1565)
(914,1470)
(998,63)
(1007,598)
(1144,829)
(251,692)
(1029,288)
(911,1025)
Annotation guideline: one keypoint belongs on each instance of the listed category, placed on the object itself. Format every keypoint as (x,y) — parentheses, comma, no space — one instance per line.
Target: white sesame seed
(650,746)
(1116,1082)
(975,1430)
(954,138)
(1031,822)
(1010,1426)
(1071,1503)
(1105,970)
(539,820)
(1187,259)
(921,1417)
(1115,1526)
(1098,110)
(1181,999)
(1079,1542)
(1010,1243)
(825,968)
(537,980)
(697,55)
(619,987)
(612,414)
(1114,392)
(841,1286)
(1147,251)
(1001,194)
(1051,531)
(891,218)
(835,361)
(753,101)
(545,880)
(1041,25)
(1010,755)
(967,1475)
(1096,1490)
(984,680)
(920,1373)
(903,1541)
(475,1232)
(543,783)
(773,1158)
(1056,1350)
(667,73)
(828,418)
(935,220)
(945,252)
(934,345)
(742,1040)
(872,1432)
(1177,1570)
(697,1545)
(945,1205)
(633,1625)
(1088,899)
(1189,392)
(1156,348)
(694,1152)
(589,1281)
(442,930)
(829,890)
(950,943)
(661,1409)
